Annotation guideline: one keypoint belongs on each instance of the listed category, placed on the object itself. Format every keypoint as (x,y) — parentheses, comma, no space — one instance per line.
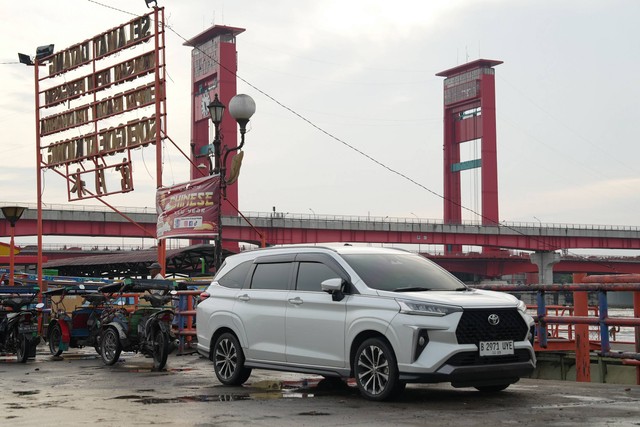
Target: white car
(383,316)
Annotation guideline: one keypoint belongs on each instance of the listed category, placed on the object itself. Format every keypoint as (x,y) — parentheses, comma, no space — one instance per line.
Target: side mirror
(333,287)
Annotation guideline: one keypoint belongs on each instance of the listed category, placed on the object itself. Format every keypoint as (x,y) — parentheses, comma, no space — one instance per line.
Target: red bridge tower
(470,115)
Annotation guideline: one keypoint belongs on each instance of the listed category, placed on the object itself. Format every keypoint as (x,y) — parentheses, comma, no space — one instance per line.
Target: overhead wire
(355,149)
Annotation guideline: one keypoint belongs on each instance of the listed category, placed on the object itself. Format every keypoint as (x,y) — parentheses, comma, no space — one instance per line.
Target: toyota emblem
(493,319)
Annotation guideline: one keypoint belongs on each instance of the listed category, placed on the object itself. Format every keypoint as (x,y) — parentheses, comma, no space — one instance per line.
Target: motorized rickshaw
(19,321)
(79,327)
(144,327)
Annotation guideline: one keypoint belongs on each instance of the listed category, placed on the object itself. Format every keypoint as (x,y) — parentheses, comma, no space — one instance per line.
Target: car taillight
(204,296)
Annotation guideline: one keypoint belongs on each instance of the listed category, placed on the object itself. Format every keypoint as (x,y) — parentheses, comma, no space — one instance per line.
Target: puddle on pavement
(147,368)
(180,369)
(73,356)
(26,393)
(131,367)
(146,400)
(13,359)
(302,389)
(313,413)
(80,356)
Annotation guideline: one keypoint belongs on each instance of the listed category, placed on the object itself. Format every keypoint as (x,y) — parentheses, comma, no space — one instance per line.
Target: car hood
(471,298)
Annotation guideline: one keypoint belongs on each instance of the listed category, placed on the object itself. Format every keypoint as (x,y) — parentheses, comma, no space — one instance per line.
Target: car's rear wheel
(228,360)
(376,370)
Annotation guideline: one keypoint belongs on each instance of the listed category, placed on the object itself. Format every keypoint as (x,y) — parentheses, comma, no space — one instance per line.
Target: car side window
(312,274)
(236,277)
(271,276)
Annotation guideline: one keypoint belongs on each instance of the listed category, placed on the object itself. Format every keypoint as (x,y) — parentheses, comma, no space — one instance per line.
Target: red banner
(189,209)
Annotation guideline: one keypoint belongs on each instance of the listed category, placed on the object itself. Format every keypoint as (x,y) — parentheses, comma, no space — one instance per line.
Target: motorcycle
(80,327)
(19,321)
(144,328)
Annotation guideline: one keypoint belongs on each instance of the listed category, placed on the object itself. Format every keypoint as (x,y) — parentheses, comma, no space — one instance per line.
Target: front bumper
(474,374)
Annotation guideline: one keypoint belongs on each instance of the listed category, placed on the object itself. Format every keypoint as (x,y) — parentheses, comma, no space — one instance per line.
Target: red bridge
(279,228)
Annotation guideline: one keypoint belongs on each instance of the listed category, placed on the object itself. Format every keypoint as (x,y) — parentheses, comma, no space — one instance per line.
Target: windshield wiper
(461,289)
(412,289)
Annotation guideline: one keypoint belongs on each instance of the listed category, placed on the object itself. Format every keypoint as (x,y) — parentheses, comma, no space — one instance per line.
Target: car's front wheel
(228,360)
(376,370)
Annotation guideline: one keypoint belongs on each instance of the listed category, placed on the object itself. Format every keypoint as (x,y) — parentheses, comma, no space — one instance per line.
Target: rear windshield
(391,272)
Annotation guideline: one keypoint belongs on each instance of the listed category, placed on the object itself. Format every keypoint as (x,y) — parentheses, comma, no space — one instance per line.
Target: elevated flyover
(288,228)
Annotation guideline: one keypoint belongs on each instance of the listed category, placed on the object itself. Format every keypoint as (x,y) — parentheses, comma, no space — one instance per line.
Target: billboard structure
(96,102)
(190,209)
(99,100)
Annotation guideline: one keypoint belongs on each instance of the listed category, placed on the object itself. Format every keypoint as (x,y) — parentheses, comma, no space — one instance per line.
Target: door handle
(244,297)
(295,301)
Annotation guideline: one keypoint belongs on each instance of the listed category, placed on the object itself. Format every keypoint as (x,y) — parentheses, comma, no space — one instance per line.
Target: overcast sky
(362,72)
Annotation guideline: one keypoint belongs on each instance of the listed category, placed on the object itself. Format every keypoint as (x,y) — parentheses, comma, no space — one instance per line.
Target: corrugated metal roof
(124,257)
(186,261)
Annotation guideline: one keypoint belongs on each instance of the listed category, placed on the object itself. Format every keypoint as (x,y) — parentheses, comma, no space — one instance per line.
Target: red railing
(576,322)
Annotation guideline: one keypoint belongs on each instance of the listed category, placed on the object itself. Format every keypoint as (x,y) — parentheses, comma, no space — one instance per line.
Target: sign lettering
(101,97)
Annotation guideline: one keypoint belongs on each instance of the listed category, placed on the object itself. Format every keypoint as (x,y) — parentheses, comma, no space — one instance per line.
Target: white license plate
(496,348)
(26,329)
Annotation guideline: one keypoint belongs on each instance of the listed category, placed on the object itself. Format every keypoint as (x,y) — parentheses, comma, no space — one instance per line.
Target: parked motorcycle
(19,321)
(79,327)
(144,327)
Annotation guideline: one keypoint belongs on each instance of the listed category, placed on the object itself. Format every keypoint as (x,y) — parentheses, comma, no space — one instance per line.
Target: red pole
(160,125)
(581,308)
(189,325)
(636,314)
(41,285)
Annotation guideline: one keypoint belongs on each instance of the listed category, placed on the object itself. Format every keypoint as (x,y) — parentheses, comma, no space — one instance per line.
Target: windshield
(402,272)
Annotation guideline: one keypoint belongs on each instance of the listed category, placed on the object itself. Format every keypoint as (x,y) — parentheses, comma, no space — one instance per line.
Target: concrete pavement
(78,389)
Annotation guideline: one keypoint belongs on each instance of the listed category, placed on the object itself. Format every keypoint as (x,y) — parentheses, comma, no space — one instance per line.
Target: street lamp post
(12,214)
(216,111)
(241,108)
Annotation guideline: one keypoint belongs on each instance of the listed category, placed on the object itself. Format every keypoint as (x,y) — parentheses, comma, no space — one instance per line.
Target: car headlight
(426,308)
(522,306)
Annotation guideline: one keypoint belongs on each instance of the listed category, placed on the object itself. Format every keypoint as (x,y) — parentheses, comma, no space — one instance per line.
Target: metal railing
(580,319)
(345,218)
(185,313)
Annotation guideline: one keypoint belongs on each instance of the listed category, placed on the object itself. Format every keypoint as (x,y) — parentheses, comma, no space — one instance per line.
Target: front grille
(472,358)
(474,326)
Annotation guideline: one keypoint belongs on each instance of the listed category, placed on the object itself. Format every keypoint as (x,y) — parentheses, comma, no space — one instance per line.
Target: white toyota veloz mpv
(383,316)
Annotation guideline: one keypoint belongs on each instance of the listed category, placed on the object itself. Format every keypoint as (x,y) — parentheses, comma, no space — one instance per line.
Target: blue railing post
(182,303)
(604,314)
(542,326)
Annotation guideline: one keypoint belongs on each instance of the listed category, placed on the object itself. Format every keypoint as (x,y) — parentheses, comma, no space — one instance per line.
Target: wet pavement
(77,389)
